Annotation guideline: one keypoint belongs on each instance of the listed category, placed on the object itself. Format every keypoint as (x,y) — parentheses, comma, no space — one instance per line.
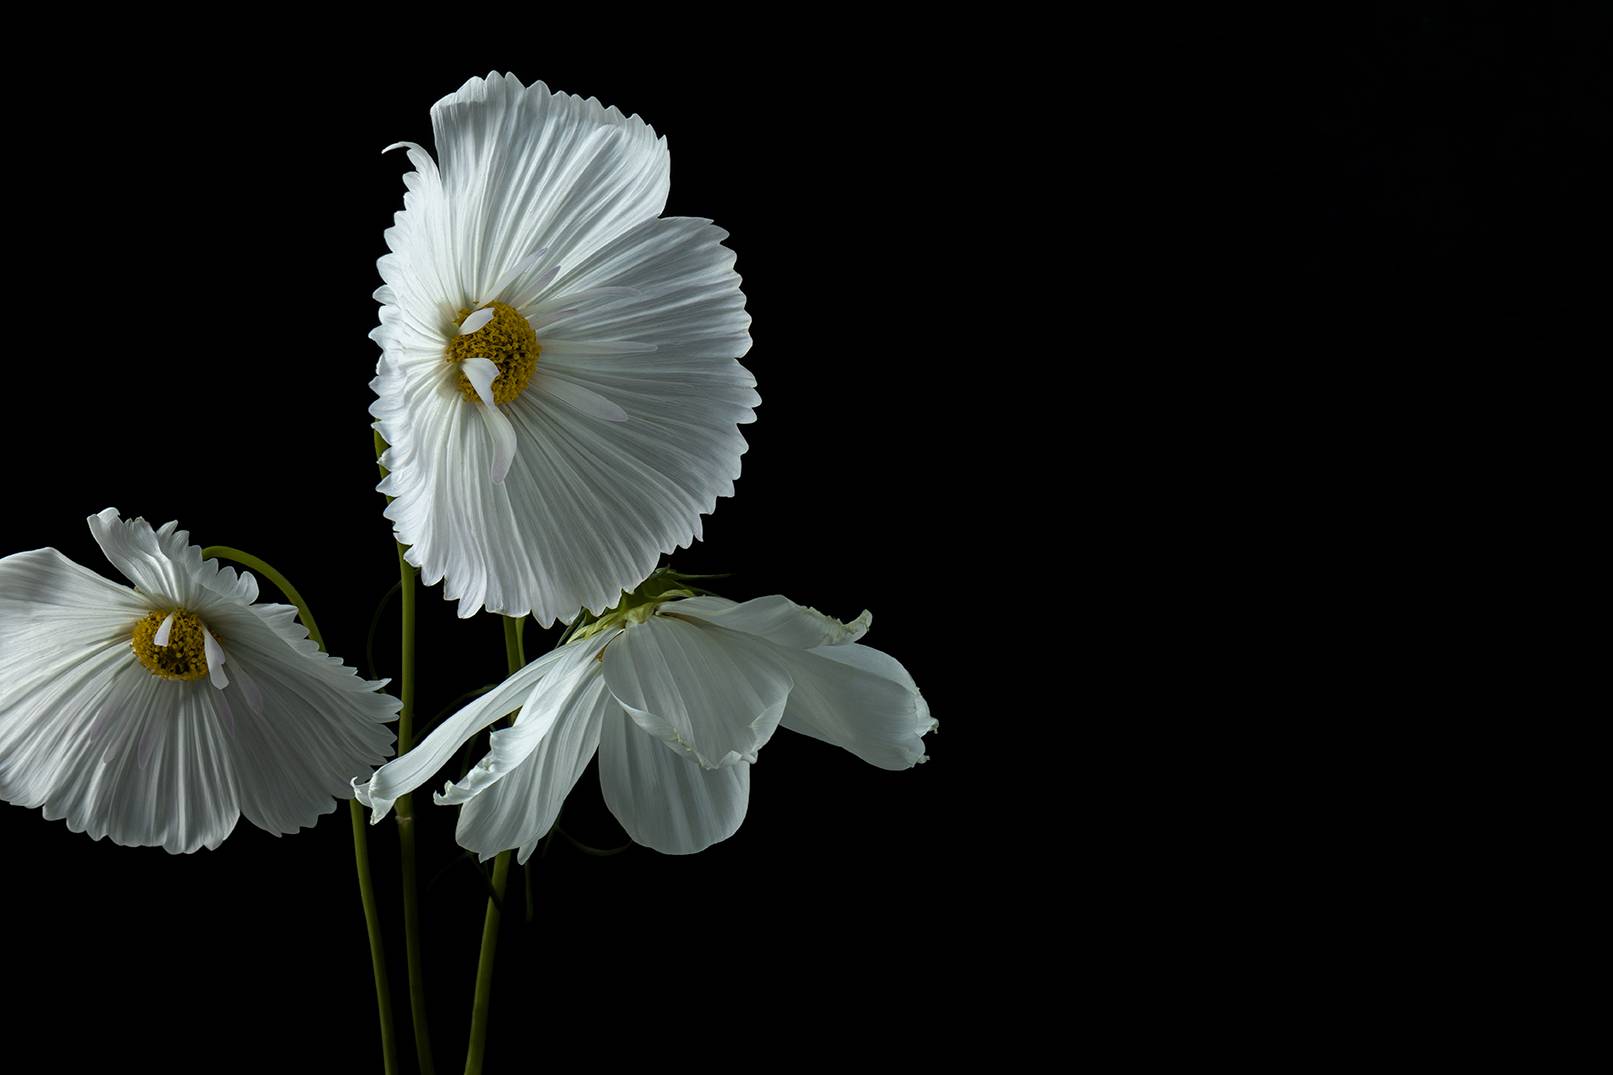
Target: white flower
(677,696)
(159,715)
(559,385)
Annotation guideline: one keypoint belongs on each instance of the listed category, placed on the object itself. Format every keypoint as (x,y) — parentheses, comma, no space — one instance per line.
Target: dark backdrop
(194,249)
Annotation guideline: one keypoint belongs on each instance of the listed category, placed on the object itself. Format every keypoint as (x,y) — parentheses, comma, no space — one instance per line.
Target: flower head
(677,694)
(559,386)
(159,715)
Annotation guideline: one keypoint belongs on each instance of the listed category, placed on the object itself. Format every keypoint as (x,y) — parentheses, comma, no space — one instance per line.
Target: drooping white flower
(559,385)
(677,696)
(159,715)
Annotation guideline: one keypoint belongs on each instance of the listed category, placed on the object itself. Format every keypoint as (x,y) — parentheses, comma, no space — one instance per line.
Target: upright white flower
(559,383)
(677,696)
(159,715)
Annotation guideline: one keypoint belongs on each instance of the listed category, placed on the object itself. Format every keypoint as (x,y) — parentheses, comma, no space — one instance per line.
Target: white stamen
(215,660)
(161,637)
(514,272)
(481,373)
(583,399)
(475,321)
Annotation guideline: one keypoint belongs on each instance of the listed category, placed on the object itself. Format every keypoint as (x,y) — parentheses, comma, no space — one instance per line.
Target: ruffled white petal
(144,761)
(303,724)
(777,619)
(402,775)
(626,435)
(662,798)
(45,596)
(64,633)
(713,693)
(519,810)
(521,170)
(165,567)
(49,698)
(860,699)
(551,703)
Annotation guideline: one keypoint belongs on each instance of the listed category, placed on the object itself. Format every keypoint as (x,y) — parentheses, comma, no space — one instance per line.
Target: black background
(1272,268)
(197,256)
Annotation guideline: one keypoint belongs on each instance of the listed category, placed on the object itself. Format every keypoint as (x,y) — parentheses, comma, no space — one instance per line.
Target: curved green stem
(246,559)
(481,1005)
(404,811)
(361,845)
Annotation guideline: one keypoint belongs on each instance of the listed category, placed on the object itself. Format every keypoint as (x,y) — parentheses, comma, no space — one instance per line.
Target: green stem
(372,921)
(404,810)
(405,814)
(484,969)
(481,1005)
(361,845)
(514,644)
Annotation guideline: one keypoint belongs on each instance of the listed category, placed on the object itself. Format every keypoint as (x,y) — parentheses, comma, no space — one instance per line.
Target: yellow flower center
(508,341)
(185,655)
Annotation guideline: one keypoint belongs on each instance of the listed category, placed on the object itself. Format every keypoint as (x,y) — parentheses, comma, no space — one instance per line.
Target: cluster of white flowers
(560,394)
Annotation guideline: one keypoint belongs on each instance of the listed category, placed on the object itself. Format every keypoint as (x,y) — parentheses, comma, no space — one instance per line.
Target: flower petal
(149,765)
(44,594)
(663,799)
(64,634)
(164,566)
(475,321)
(519,169)
(860,699)
(402,775)
(481,373)
(629,431)
(551,703)
(302,724)
(711,692)
(519,810)
(777,619)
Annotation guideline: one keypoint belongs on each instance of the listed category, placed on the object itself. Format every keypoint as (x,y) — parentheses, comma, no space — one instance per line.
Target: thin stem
(361,846)
(484,969)
(514,644)
(372,922)
(405,815)
(481,1005)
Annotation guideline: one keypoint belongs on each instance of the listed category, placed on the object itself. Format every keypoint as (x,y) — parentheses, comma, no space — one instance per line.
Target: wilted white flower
(159,715)
(559,385)
(677,695)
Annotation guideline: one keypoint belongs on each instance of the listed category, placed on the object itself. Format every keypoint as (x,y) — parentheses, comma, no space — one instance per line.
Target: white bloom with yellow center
(559,383)
(677,697)
(158,715)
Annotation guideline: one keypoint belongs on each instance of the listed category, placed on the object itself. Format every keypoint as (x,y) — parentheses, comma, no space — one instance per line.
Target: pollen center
(508,341)
(185,655)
